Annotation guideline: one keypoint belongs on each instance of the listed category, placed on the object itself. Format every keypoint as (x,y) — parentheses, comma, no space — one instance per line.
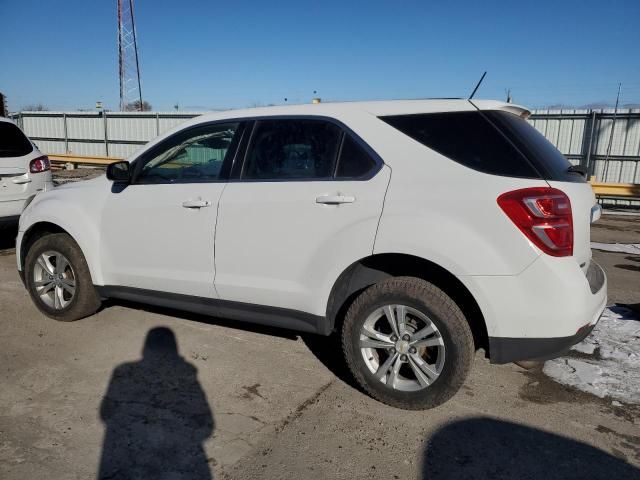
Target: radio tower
(130,90)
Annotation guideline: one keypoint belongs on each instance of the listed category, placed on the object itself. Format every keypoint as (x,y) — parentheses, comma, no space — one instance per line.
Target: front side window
(193,156)
(292,149)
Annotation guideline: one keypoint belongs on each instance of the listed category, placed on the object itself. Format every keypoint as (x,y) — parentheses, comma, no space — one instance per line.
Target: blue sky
(212,54)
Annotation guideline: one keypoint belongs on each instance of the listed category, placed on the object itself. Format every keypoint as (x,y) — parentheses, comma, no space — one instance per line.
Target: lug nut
(412,350)
(394,338)
(406,337)
(393,350)
(403,358)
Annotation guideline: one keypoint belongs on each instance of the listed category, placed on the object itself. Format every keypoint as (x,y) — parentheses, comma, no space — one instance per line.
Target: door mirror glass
(119,172)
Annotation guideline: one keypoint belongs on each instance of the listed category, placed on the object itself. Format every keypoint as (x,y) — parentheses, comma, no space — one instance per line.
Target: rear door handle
(196,203)
(335,199)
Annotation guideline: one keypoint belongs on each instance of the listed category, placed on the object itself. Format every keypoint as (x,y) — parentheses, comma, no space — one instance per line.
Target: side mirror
(119,172)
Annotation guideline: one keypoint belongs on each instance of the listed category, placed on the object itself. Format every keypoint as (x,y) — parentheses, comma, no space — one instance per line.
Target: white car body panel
(551,298)
(149,240)
(76,208)
(454,217)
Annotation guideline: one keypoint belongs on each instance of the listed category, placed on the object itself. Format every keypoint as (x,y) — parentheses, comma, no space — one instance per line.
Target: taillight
(543,214)
(40,164)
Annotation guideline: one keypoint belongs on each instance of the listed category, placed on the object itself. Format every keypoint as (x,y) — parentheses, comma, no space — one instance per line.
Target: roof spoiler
(507,107)
(516,110)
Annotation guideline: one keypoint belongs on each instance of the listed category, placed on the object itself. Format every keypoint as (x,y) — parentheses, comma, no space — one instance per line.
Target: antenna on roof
(477,86)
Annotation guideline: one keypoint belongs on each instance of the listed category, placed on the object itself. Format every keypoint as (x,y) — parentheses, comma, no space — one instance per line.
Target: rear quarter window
(13,143)
(467,138)
(495,142)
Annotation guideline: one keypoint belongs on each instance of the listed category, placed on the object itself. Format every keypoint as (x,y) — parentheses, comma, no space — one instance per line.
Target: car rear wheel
(58,278)
(407,343)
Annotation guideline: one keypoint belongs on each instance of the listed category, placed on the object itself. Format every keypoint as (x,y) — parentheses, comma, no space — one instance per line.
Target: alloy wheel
(402,347)
(54,280)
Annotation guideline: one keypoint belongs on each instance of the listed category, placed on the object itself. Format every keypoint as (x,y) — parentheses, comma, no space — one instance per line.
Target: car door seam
(215,233)
(384,199)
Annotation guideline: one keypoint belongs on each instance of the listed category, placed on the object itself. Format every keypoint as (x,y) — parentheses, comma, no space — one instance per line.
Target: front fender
(75,212)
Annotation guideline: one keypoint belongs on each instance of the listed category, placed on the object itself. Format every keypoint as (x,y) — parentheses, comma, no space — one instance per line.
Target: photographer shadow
(156,416)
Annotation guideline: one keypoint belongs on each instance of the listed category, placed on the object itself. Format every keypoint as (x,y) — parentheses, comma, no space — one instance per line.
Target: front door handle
(335,199)
(196,203)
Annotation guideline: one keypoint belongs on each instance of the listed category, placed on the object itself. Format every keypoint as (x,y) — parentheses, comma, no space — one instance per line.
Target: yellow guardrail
(602,189)
(59,160)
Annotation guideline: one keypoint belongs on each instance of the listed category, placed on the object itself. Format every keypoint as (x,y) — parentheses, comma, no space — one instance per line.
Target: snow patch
(610,364)
(633,248)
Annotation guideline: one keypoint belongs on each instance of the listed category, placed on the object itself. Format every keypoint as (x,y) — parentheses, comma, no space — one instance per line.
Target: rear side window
(292,149)
(467,138)
(13,143)
(354,160)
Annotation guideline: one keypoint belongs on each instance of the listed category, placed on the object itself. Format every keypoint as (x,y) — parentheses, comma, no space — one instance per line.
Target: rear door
(305,206)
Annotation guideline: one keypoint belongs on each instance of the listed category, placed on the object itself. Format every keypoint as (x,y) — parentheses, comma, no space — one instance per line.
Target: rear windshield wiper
(578,169)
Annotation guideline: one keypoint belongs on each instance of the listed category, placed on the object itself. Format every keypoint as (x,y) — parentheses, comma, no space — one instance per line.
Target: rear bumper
(505,350)
(542,312)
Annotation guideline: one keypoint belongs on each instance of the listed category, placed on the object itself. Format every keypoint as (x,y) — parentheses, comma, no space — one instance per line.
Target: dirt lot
(248,402)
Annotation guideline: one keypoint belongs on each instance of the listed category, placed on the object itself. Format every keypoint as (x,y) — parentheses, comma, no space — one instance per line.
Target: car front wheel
(58,278)
(407,343)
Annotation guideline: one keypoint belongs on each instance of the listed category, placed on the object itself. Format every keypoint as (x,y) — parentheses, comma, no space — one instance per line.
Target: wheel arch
(35,232)
(41,228)
(375,268)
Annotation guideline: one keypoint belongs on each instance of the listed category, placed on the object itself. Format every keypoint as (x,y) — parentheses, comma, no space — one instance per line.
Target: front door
(158,232)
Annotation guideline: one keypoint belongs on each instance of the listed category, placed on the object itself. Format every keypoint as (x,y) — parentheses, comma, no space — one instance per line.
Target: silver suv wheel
(54,279)
(402,347)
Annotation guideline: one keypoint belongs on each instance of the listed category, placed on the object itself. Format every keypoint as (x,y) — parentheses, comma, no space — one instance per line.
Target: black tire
(445,315)
(86,300)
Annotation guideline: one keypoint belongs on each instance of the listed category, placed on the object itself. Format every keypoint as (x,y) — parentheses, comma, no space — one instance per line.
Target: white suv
(24,171)
(419,231)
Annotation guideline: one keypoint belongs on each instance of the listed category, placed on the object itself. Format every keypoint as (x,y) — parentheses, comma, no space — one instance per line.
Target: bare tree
(135,106)
(35,107)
